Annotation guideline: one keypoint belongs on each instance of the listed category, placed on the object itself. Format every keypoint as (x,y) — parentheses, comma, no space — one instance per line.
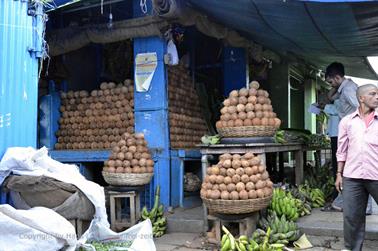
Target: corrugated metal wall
(18,74)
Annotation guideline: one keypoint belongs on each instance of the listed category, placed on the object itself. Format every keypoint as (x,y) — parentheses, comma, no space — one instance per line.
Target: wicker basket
(247,131)
(127,179)
(236,206)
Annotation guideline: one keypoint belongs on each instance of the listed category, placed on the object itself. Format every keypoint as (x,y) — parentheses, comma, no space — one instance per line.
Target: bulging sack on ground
(140,235)
(29,161)
(40,191)
(34,230)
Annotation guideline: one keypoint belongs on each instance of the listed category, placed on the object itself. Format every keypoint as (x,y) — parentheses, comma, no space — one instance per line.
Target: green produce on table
(159,223)
(210,140)
(319,141)
(302,136)
(292,135)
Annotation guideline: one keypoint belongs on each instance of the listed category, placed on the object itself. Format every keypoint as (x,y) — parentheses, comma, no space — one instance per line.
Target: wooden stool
(80,226)
(247,223)
(115,198)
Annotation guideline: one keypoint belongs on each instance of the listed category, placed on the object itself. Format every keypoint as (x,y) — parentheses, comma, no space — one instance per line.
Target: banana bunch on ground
(229,243)
(302,200)
(314,195)
(283,203)
(159,223)
(257,243)
(282,230)
(317,197)
(321,177)
(303,207)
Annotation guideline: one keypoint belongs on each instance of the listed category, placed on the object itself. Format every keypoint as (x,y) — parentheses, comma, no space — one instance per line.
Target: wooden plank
(112,213)
(132,211)
(137,206)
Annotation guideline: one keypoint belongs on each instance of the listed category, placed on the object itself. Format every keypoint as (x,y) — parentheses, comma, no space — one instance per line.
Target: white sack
(35,229)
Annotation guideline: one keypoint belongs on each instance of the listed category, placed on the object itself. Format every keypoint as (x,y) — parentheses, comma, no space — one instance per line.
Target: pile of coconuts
(248,107)
(130,155)
(96,119)
(186,123)
(237,177)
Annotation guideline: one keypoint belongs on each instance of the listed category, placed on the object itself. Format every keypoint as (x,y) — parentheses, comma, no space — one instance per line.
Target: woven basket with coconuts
(248,113)
(130,163)
(237,185)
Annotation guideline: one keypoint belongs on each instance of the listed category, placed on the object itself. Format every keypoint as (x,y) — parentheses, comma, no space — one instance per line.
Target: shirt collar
(357,113)
(343,84)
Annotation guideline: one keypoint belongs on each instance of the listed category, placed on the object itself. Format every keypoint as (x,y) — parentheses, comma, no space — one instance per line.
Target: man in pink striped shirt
(357,159)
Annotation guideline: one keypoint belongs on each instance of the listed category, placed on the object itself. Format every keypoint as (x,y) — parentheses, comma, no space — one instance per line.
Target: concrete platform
(323,229)
(184,220)
(331,224)
(196,242)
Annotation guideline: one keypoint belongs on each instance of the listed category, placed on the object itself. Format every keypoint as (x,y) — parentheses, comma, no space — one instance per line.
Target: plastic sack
(140,235)
(35,229)
(32,162)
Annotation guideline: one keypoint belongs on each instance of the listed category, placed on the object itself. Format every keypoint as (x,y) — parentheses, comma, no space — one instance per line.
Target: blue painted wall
(234,69)
(20,49)
(151,110)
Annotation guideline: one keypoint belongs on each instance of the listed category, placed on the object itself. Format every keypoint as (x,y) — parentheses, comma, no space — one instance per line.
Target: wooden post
(298,167)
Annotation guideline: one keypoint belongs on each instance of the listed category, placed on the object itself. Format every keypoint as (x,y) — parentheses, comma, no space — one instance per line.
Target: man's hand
(339,182)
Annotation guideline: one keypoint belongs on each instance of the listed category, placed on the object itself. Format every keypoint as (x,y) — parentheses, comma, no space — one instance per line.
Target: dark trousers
(334,162)
(355,194)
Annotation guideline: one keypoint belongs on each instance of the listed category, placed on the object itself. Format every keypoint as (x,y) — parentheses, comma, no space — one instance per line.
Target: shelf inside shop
(80,155)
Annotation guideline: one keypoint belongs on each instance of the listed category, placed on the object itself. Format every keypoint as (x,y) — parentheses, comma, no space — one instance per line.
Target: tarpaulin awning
(318,31)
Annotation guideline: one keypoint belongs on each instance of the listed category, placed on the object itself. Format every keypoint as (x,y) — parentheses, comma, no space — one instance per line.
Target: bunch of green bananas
(210,140)
(279,137)
(229,243)
(315,195)
(159,223)
(282,230)
(302,200)
(304,207)
(284,204)
(260,241)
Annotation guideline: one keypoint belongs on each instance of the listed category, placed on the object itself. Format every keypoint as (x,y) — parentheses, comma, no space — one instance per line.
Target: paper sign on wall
(145,66)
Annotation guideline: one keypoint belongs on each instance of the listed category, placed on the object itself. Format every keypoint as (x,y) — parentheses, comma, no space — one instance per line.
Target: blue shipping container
(21,29)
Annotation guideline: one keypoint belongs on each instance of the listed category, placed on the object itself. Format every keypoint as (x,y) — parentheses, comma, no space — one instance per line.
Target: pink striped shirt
(358,146)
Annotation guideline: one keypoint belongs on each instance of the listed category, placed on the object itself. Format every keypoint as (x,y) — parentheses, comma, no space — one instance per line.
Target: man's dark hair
(334,69)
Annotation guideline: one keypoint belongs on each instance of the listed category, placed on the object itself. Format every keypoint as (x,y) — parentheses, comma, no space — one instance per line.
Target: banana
(242,246)
(243,238)
(289,235)
(224,238)
(227,244)
(232,242)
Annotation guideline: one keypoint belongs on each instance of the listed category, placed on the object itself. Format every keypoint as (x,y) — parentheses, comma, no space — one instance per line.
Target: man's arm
(332,94)
(339,176)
